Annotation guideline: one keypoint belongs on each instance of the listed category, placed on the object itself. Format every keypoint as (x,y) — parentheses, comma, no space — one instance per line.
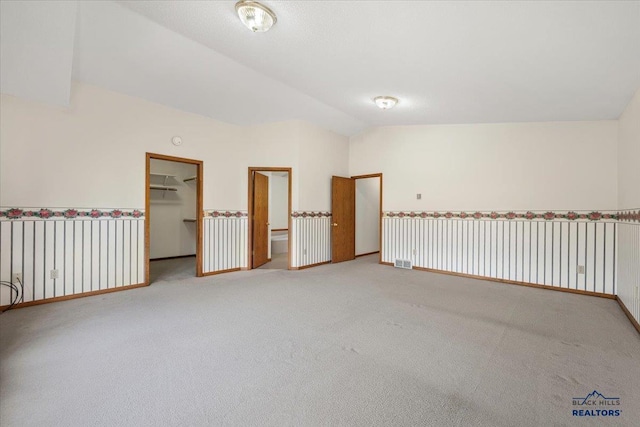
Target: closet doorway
(368,206)
(173,223)
(356,222)
(269,218)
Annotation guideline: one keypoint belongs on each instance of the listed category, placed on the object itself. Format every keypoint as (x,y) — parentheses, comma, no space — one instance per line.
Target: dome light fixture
(255,16)
(385,102)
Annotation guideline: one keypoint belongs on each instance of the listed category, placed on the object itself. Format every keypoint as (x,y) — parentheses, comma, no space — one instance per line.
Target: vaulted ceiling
(448,62)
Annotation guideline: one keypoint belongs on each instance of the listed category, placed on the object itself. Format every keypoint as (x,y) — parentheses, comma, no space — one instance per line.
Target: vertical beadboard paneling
(545,252)
(224,243)
(293,235)
(311,240)
(90,254)
(5,258)
(628,268)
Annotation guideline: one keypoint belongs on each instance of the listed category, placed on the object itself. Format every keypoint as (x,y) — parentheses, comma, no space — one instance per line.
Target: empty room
(312,213)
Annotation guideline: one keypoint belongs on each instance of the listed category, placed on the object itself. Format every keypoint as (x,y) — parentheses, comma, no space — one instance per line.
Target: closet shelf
(167,175)
(162,187)
(191,178)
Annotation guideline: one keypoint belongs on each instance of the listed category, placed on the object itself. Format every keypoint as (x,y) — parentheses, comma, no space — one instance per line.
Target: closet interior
(172,220)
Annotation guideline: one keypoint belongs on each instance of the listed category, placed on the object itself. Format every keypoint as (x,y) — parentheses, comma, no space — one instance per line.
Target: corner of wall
(628,262)
(629,155)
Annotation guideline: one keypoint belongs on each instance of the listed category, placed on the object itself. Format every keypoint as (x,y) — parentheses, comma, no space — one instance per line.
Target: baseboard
(511,282)
(212,273)
(368,253)
(624,308)
(304,267)
(74,296)
(172,257)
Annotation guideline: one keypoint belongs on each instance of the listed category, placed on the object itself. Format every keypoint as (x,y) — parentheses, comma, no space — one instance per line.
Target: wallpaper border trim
(70,213)
(222,213)
(629,216)
(511,215)
(310,214)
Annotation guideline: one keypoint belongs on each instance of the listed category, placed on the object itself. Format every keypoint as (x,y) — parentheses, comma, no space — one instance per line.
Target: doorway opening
(356,209)
(368,214)
(173,225)
(269,218)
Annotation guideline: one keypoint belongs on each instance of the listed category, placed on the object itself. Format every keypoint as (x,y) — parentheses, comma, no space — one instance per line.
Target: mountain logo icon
(594,395)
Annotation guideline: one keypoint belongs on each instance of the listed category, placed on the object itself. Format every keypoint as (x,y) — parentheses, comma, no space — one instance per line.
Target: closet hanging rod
(163,188)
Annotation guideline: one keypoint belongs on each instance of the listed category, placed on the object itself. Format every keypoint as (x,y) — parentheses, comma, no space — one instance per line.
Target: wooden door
(260,219)
(343,221)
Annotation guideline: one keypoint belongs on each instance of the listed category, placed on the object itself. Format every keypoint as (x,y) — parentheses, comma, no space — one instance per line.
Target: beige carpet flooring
(351,344)
(172,269)
(278,262)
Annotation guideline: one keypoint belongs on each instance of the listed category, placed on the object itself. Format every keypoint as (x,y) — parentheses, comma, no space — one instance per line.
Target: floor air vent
(403,263)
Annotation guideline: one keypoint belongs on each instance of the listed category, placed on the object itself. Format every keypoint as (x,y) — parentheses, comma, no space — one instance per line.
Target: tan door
(343,221)
(260,219)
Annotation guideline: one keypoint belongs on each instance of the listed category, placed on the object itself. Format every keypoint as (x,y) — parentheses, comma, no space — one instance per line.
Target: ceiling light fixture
(258,18)
(385,102)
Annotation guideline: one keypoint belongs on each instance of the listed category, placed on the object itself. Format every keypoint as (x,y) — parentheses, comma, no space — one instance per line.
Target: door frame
(374,175)
(253,169)
(147,209)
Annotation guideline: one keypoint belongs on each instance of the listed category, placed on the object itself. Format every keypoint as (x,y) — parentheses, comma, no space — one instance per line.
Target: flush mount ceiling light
(385,102)
(258,18)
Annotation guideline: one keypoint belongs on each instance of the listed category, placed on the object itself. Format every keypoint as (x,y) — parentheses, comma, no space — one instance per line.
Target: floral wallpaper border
(548,216)
(226,214)
(46,213)
(310,214)
(631,216)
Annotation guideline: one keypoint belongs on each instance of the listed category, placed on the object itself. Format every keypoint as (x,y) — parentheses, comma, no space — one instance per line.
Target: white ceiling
(123,51)
(448,62)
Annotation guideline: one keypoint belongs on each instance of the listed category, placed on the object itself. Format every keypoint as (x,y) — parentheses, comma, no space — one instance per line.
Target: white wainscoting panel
(629,267)
(89,254)
(311,240)
(224,242)
(545,252)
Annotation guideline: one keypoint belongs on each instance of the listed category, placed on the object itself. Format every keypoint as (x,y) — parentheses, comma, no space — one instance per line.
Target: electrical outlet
(17,277)
(419,196)
(581,269)
(54,274)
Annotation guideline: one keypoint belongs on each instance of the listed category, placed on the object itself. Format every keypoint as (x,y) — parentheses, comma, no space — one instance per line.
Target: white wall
(278,201)
(273,145)
(629,156)
(519,166)
(367,215)
(322,154)
(170,234)
(92,154)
